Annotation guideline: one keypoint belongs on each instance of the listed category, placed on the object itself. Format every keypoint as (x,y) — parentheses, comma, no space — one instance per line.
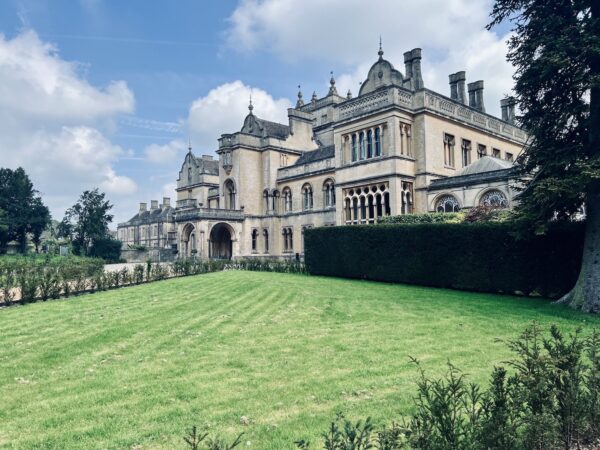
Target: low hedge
(485,257)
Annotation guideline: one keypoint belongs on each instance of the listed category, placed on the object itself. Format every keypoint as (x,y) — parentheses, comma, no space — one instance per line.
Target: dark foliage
(23,210)
(107,248)
(486,257)
(86,222)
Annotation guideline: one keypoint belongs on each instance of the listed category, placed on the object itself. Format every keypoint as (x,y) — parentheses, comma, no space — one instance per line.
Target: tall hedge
(485,257)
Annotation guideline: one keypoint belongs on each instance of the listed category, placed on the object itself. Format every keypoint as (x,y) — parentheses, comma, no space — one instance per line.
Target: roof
(316,155)
(264,128)
(160,214)
(485,170)
(486,164)
(382,73)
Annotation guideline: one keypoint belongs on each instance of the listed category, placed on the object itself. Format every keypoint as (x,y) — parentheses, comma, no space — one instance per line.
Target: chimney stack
(416,68)
(476,95)
(408,64)
(142,207)
(507,105)
(166,202)
(412,65)
(153,205)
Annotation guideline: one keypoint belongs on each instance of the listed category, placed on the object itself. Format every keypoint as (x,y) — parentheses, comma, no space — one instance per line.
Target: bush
(424,218)
(108,249)
(486,257)
(545,404)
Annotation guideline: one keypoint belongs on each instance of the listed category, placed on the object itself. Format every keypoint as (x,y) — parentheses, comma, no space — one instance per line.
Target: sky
(108,93)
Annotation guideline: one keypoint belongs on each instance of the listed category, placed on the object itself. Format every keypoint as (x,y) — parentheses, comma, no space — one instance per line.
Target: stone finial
(189,145)
(349,94)
(380,52)
(250,106)
(314,97)
(300,102)
(332,88)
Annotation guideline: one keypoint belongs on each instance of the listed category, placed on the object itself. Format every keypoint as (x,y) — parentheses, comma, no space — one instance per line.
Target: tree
(23,207)
(555,48)
(86,222)
(3,227)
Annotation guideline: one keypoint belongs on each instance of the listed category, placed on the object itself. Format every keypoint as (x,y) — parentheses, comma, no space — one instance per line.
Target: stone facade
(396,148)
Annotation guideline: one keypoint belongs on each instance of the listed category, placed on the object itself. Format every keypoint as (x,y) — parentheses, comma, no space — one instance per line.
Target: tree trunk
(586,293)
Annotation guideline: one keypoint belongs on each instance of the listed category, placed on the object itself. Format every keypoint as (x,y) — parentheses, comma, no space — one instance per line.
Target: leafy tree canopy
(555,48)
(86,222)
(24,211)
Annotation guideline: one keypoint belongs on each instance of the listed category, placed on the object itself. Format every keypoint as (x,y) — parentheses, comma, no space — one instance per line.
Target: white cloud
(50,121)
(345,33)
(224,108)
(167,153)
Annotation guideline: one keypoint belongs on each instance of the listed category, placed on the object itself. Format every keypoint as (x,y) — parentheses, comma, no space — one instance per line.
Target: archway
(220,242)
(188,240)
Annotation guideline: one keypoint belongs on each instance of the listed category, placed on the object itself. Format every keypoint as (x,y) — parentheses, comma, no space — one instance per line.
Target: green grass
(139,365)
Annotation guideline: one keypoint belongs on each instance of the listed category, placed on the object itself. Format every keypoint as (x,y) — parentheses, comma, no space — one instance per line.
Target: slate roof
(486,164)
(161,214)
(316,155)
(485,170)
(265,128)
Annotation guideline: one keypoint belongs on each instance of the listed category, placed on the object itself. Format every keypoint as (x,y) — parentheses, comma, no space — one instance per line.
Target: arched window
(267,203)
(494,199)
(369,144)
(362,144)
(447,204)
(275,207)
(287,199)
(229,194)
(377,141)
(328,193)
(288,239)
(254,240)
(189,174)
(354,148)
(266,237)
(307,195)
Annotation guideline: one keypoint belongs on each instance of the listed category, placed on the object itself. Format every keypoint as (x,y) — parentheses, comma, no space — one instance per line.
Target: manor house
(395,148)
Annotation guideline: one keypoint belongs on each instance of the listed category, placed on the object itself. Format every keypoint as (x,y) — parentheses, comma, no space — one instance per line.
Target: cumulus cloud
(224,108)
(345,33)
(50,121)
(167,153)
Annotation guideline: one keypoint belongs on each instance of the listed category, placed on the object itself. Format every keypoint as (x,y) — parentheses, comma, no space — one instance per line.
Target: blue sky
(107,92)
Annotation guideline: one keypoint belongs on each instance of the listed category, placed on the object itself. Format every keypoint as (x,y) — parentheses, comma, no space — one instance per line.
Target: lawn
(133,368)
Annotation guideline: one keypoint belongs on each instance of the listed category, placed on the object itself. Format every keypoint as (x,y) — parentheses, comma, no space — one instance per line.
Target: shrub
(544,405)
(108,249)
(424,218)
(138,274)
(487,257)
(193,439)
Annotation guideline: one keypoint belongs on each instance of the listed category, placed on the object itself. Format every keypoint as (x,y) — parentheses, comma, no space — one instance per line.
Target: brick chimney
(476,95)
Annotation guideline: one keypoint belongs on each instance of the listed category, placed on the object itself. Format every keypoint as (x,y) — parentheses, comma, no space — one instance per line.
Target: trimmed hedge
(484,257)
